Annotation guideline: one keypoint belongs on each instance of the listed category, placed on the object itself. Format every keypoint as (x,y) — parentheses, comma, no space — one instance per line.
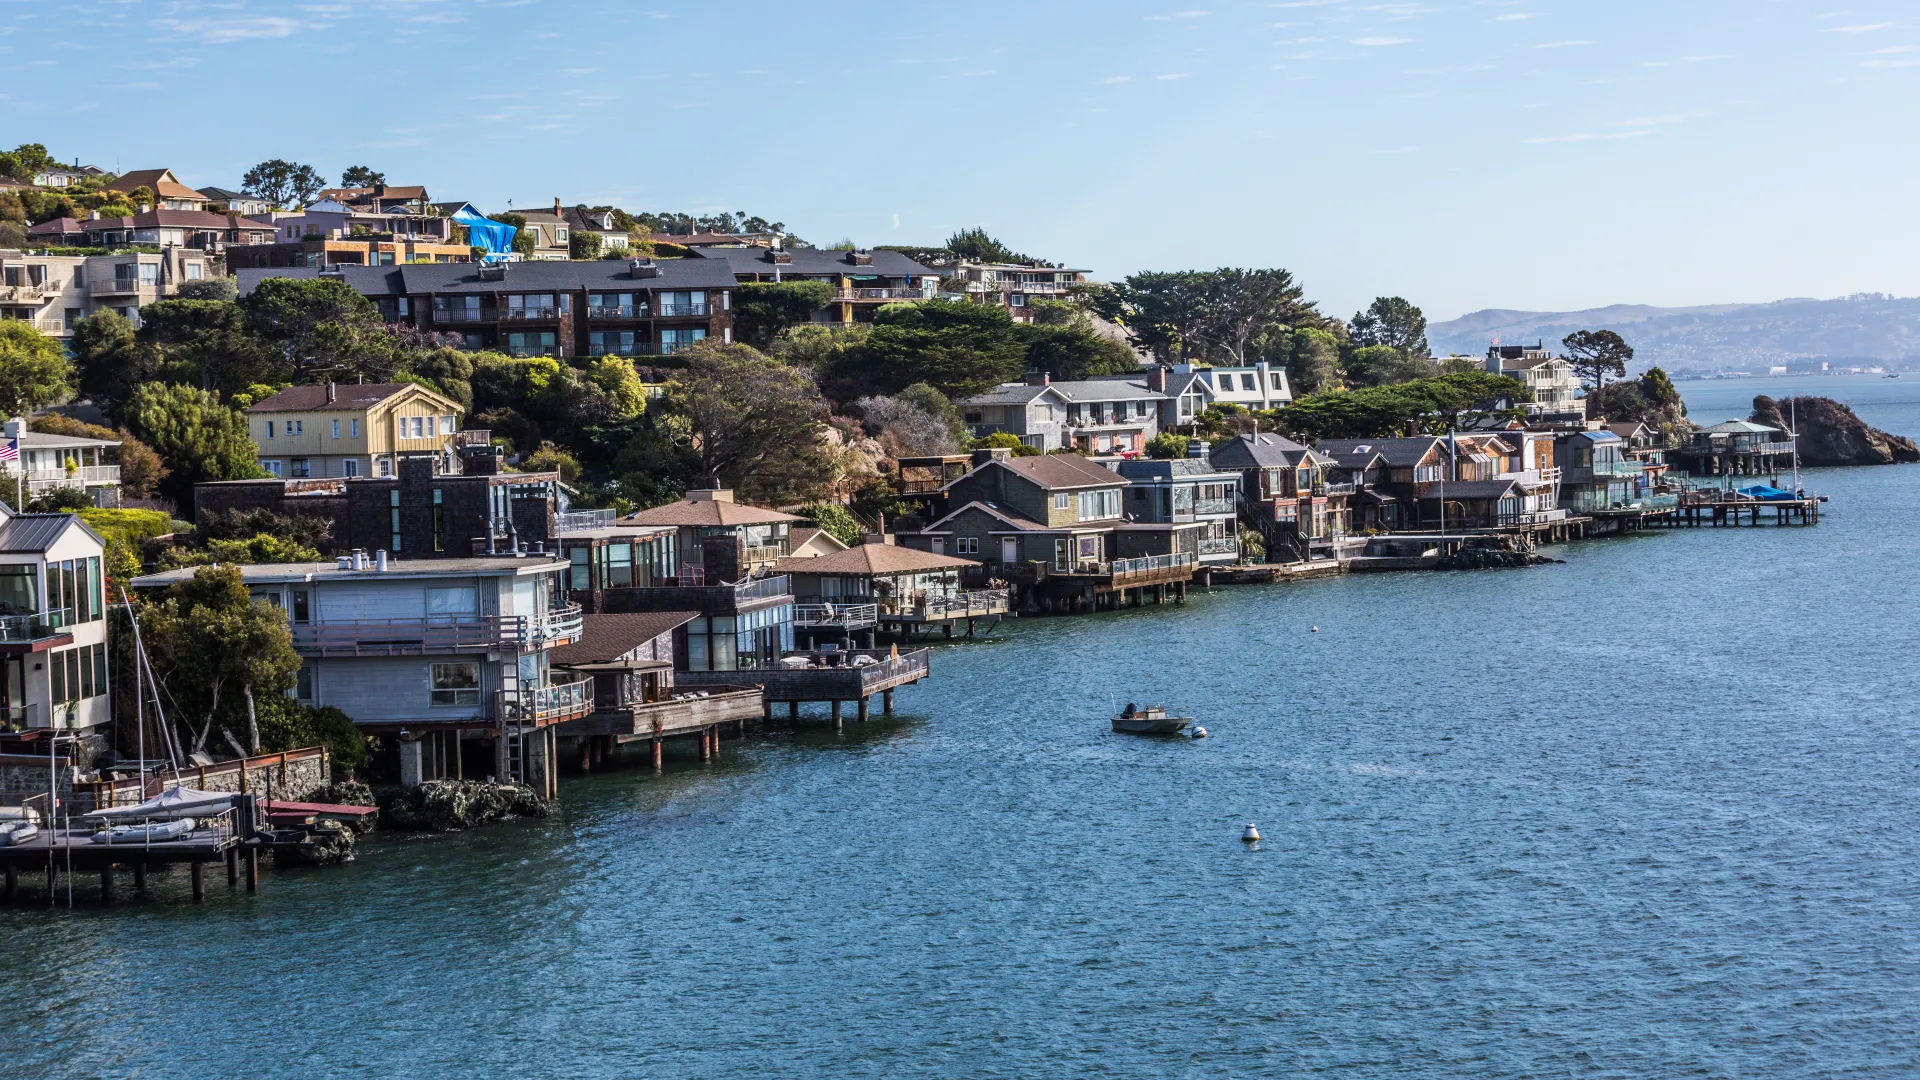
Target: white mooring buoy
(1315,630)
(1250,834)
(1197,732)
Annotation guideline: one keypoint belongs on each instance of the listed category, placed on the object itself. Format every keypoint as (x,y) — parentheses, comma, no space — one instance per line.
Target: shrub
(1167,446)
(834,519)
(1005,440)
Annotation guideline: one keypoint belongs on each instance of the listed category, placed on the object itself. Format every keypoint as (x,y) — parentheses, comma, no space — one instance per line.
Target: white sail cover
(179,802)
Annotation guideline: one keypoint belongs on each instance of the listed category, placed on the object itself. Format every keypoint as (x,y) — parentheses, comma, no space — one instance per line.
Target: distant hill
(1798,333)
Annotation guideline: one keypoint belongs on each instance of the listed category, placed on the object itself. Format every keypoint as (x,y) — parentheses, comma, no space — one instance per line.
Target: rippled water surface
(1649,813)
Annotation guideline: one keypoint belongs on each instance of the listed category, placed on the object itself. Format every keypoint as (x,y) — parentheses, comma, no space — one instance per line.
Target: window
(336,429)
(1246,381)
(350,467)
(439,522)
(455,684)
(1276,378)
(393,501)
(353,427)
(1063,500)
(1225,381)
(302,606)
(453,601)
(300,467)
(1140,410)
(149,273)
(78,673)
(672,341)
(1099,504)
(383,466)
(303,683)
(966,545)
(560,236)
(271,466)
(296,427)
(610,342)
(683,303)
(194,271)
(446,425)
(540,343)
(269,429)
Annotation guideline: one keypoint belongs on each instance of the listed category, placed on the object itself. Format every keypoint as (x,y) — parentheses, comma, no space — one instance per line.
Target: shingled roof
(347,397)
(871,559)
(611,637)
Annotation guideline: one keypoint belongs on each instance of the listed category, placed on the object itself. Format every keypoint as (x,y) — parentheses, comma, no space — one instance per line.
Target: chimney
(1040,379)
(331,392)
(93,215)
(1157,379)
(556,206)
(724,495)
(989,453)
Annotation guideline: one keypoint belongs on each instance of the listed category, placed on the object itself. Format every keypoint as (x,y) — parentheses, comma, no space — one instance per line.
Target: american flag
(10,450)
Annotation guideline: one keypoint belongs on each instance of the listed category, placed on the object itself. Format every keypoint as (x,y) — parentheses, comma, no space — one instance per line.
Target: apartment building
(53,292)
(1253,386)
(599,308)
(862,281)
(176,228)
(454,651)
(352,429)
(53,628)
(1014,286)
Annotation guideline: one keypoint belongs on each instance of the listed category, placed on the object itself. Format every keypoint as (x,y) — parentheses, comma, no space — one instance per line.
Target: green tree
(974,245)
(1313,362)
(1394,323)
(34,370)
(1384,365)
(1595,354)
(1436,405)
(1167,446)
(285,724)
(107,360)
(218,288)
(324,329)
(285,185)
(198,437)
(206,636)
(620,385)
(208,342)
(551,458)
(361,176)
(582,244)
(141,470)
(450,370)
(26,162)
(1005,440)
(958,349)
(762,310)
(835,519)
(1206,315)
(1072,352)
(753,423)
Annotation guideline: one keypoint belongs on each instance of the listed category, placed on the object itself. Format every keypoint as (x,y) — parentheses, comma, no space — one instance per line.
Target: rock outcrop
(324,843)
(1830,434)
(450,805)
(1494,553)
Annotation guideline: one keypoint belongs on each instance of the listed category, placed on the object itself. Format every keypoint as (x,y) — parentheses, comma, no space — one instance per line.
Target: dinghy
(158,832)
(179,802)
(16,832)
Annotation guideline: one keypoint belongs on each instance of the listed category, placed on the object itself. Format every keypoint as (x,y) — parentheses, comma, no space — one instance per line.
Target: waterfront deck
(977,609)
(837,677)
(226,836)
(689,712)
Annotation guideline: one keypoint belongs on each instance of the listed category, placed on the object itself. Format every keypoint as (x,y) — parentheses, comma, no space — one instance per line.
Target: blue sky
(1462,154)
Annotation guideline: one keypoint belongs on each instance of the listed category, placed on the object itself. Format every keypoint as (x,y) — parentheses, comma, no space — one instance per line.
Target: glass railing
(35,626)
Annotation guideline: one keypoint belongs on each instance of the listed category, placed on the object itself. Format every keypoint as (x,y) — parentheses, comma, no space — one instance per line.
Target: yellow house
(352,429)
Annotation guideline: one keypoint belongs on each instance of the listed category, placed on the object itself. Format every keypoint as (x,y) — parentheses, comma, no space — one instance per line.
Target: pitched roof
(1059,471)
(65,226)
(35,532)
(871,559)
(220,194)
(177,219)
(1400,452)
(1008,394)
(806,261)
(801,535)
(160,180)
(1263,451)
(708,512)
(347,397)
(415,279)
(1121,389)
(1741,427)
(611,637)
(1008,515)
(696,239)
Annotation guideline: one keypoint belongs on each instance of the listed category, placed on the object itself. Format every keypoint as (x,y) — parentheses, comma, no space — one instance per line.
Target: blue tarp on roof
(493,237)
(1765,493)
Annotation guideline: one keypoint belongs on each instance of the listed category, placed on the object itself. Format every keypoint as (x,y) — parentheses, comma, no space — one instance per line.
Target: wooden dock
(686,714)
(224,837)
(836,678)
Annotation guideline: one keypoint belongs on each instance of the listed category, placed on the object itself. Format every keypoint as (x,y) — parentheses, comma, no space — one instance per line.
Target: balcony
(41,481)
(18,629)
(663,348)
(1617,468)
(23,293)
(437,634)
(529,314)
(463,315)
(826,616)
(1219,545)
(836,676)
(882,294)
(1534,517)
(1345,488)
(545,704)
(579,521)
(693,595)
(120,287)
(618,311)
(472,437)
(1031,287)
(1206,507)
(670,310)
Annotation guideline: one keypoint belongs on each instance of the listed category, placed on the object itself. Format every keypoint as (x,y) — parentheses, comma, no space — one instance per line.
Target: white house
(53,623)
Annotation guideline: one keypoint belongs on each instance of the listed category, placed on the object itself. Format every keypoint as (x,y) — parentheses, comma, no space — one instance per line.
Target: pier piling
(106,883)
(140,877)
(12,882)
(199,880)
(233,867)
(860,713)
(253,869)
(886,702)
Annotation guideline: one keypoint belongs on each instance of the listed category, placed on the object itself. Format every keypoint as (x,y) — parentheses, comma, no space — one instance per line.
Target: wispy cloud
(1176,15)
(1561,44)
(1891,50)
(227,31)
(1397,150)
(1377,42)
(1512,16)
(1862,28)
(1648,121)
(1170,78)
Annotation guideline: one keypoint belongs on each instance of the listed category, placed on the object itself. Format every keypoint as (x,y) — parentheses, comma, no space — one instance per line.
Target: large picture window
(456,684)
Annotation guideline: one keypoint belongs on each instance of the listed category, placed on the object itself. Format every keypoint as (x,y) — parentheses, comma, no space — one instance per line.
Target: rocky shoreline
(1830,434)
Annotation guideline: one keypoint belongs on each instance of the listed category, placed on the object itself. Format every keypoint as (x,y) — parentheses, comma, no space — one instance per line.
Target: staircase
(1283,544)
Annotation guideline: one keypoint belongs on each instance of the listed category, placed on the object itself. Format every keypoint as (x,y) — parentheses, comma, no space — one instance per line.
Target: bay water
(1649,812)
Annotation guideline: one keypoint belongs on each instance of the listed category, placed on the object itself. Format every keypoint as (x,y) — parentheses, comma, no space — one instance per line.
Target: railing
(533,350)
(1219,545)
(672,310)
(22,717)
(1617,468)
(27,292)
(578,521)
(36,626)
(1333,489)
(1213,506)
(441,633)
(762,588)
(1117,568)
(472,437)
(118,286)
(79,476)
(882,294)
(1533,517)
(988,600)
(617,311)
(1019,286)
(452,315)
(848,616)
(545,704)
(663,348)
(515,314)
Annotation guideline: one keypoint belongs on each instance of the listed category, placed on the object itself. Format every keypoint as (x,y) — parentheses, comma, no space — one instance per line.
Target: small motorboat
(17,831)
(155,833)
(1151,720)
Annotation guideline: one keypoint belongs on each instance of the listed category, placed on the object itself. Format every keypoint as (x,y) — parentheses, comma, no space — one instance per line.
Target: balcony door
(1009,549)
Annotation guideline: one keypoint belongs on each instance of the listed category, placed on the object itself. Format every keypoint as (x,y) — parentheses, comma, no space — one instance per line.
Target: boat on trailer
(1151,720)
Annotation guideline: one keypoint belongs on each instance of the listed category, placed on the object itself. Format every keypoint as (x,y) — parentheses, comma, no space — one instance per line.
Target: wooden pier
(1714,507)
(979,610)
(692,712)
(228,837)
(837,678)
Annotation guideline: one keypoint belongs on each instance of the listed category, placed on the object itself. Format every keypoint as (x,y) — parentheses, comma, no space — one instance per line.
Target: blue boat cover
(1765,493)
(490,236)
